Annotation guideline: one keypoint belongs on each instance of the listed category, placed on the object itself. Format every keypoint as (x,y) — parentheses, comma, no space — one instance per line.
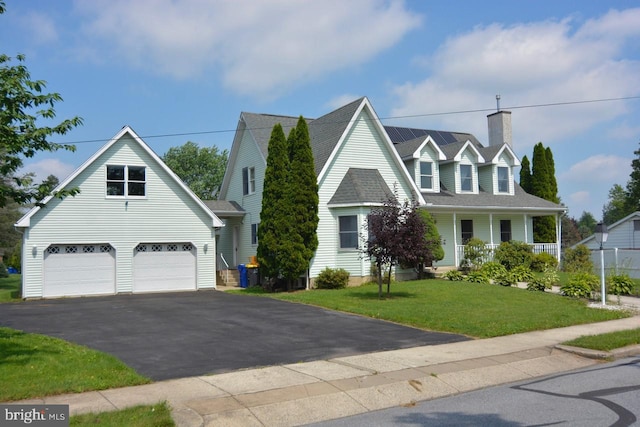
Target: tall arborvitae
(274,216)
(525,174)
(304,190)
(551,166)
(633,185)
(542,185)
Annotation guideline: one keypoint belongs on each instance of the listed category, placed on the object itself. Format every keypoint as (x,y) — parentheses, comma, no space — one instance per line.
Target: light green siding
(166,214)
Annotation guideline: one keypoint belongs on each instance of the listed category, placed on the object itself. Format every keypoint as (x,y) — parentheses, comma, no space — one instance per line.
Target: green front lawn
(33,365)
(475,310)
(607,342)
(10,288)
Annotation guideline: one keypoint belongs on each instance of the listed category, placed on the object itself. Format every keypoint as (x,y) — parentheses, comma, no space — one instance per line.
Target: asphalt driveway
(176,335)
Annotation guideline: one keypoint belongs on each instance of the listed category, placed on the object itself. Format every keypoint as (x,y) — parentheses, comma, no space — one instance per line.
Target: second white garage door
(159,267)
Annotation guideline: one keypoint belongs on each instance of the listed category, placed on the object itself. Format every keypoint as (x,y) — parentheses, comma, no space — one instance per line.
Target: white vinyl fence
(618,261)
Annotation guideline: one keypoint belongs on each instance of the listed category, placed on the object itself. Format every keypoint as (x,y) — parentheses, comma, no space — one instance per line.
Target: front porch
(550,248)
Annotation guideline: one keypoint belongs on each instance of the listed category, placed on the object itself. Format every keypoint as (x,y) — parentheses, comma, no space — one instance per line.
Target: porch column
(491,229)
(455,241)
(559,234)
(526,231)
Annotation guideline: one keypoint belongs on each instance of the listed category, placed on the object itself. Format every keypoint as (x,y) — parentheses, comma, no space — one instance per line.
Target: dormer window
(503,179)
(466,178)
(126,181)
(426,175)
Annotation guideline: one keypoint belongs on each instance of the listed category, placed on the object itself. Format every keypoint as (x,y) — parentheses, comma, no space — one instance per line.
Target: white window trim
(126,182)
(508,190)
(349,249)
(473,181)
(432,176)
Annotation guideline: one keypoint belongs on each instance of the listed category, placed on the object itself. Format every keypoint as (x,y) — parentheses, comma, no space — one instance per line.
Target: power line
(481,110)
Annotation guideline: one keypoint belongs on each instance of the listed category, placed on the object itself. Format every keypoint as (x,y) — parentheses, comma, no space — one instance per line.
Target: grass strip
(33,365)
(140,416)
(608,341)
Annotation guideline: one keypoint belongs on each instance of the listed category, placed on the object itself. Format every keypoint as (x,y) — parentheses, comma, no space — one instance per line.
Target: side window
(348,231)
(466,178)
(503,179)
(254,234)
(466,229)
(248,181)
(426,175)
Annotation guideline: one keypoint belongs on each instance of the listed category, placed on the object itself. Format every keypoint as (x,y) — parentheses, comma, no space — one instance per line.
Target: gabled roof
(454,151)
(361,186)
(25,221)
(412,149)
(492,154)
(634,215)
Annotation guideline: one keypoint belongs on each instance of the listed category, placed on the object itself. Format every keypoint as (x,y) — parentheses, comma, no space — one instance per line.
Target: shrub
(475,252)
(577,260)
(3,271)
(478,277)
(546,281)
(521,273)
(493,269)
(453,275)
(332,278)
(512,254)
(580,285)
(505,279)
(620,284)
(542,261)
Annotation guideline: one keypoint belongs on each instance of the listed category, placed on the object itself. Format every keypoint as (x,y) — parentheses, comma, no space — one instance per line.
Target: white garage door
(74,270)
(161,267)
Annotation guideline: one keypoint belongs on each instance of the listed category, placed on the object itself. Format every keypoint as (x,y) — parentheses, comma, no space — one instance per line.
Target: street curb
(618,353)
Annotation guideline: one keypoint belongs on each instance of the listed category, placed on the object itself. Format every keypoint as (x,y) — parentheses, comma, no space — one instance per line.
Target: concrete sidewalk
(310,392)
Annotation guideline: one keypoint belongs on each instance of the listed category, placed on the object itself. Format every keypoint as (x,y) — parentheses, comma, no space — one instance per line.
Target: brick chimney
(500,126)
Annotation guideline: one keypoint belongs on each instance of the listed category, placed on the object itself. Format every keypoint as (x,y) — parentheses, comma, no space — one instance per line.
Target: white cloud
(599,168)
(261,48)
(44,168)
(40,27)
(529,64)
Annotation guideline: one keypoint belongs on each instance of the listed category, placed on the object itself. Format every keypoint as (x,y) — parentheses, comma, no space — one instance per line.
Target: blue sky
(190,67)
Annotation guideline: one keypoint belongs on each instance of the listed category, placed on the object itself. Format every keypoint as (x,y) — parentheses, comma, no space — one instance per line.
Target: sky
(184,70)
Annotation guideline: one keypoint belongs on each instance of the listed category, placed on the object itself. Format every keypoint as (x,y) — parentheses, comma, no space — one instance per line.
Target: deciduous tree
(201,168)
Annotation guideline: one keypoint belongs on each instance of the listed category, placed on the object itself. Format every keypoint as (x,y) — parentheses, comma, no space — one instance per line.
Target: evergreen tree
(274,216)
(525,174)
(553,183)
(542,185)
(633,185)
(304,190)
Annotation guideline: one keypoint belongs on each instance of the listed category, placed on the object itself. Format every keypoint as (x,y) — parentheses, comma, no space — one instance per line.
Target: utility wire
(481,110)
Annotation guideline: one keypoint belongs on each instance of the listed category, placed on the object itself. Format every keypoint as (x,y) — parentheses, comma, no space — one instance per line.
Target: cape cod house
(468,188)
(134,227)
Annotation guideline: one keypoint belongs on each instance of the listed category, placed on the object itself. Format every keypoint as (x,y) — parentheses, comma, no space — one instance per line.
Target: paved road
(175,335)
(603,395)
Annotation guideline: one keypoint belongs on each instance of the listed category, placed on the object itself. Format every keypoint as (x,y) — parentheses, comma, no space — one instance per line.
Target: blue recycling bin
(244,280)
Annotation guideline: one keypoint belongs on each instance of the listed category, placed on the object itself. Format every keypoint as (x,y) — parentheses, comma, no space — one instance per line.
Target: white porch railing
(226,269)
(550,248)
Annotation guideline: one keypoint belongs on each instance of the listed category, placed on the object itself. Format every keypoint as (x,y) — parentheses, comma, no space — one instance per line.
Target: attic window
(126,181)
(426,175)
(503,179)
(466,178)
(248,181)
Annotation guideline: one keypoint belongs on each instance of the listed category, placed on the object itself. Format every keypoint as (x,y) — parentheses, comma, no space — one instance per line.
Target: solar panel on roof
(393,133)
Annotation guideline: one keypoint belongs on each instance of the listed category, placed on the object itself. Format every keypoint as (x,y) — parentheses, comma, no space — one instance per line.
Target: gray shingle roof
(224,208)
(361,186)
(520,200)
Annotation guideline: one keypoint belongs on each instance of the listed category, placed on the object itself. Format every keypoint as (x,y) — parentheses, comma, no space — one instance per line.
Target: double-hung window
(503,179)
(248,180)
(254,234)
(466,178)
(348,231)
(426,175)
(126,181)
